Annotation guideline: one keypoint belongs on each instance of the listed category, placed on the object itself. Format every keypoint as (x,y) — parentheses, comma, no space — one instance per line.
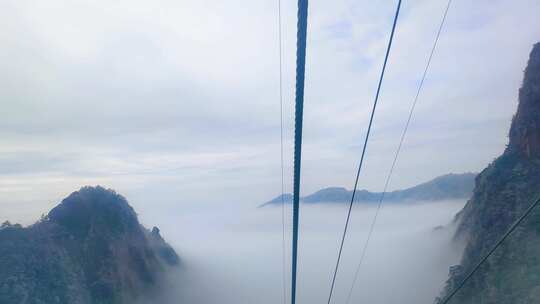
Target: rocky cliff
(503,191)
(90,248)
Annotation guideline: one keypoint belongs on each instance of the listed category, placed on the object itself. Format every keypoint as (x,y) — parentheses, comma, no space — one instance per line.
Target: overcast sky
(179,100)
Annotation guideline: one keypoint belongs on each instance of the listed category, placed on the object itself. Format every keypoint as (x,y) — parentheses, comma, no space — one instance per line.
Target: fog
(232,253)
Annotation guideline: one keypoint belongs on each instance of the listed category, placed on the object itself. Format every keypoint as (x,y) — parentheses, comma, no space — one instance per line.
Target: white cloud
(96,87)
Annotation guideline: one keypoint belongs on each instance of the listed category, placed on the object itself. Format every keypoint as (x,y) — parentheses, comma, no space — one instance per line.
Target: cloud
(406,255)
(185,94)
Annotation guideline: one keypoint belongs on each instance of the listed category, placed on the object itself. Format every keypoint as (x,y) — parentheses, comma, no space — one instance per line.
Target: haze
(232,253)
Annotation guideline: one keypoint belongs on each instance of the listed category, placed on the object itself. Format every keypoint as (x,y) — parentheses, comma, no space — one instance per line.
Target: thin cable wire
(283,243)
(364,149)
(299,112)
(484,259)
(398,150)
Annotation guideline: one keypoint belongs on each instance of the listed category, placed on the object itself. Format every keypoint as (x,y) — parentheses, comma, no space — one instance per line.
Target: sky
(178,101)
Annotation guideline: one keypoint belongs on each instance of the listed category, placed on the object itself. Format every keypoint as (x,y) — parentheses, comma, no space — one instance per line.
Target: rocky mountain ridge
(503,191)
(90,248)
(445,187)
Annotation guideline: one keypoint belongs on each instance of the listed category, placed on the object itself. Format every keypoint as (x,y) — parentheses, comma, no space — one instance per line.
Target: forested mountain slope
(503,191)
(90,249)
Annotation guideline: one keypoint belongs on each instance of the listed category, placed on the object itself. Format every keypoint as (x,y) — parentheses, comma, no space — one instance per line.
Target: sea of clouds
(232,253)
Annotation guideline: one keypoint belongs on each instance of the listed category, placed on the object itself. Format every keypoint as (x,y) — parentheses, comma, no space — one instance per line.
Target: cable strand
(364,150)
(299,112)
(398,150)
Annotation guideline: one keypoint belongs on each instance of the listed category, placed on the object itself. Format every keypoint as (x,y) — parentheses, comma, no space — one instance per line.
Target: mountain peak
(503,191)
(90,248)
(525,130)
(95,209)
(448,186)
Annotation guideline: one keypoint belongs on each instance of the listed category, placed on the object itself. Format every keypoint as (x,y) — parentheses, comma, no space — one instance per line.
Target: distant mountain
(449,186)
(503,191)
(285,198)
(89,249)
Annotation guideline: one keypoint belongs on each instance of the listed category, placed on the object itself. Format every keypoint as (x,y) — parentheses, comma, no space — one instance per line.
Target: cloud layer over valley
(233,254)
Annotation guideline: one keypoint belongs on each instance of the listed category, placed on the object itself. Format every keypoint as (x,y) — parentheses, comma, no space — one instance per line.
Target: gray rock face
(91,248)
(503,191)
(525,130)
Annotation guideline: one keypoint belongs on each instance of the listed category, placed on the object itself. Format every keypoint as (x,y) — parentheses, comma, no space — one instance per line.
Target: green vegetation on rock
(504,190)
(90,249)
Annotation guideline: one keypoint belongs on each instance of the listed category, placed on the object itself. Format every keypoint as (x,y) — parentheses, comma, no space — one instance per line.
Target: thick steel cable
(299,112)
(398,150)
(364,149)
